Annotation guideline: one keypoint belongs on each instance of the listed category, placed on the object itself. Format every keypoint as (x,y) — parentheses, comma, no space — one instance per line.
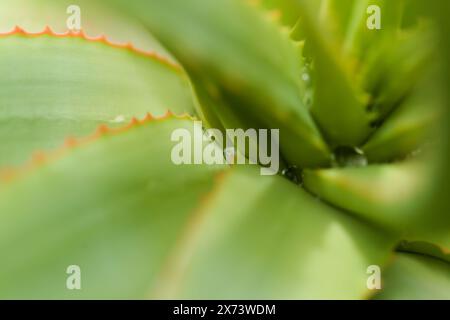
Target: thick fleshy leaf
(389,195)
(113,206)
(359,38)
(385,63)
(337,17)
(345,17)
(277,241)
(413,123)
(339,105)
(54,86)
(220,42)
(416,277)
(439,248)
(395,71)
(96,18)
(404,132)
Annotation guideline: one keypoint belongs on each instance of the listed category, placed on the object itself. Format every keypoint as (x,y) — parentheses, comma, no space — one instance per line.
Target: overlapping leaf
(113,206)
(416,277)
(96,17)
(122,210)
(438,248)
(339,105)
(52,87)
(389,195)
(246,62)
(276,242)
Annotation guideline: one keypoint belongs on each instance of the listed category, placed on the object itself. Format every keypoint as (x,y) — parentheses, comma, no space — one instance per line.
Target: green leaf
(407,129)
(114,206)
(97,18)
(416,277)
(389,195)
(339,105)
(396,71)
(277,241)
(360,41)
(412,123)
(337,17)
(249,64)
(53,87)
(439,249)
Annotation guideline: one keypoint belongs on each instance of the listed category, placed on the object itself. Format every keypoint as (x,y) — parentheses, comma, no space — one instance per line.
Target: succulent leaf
(388,195)
(335,87)
(97,18)
(416,277)
(363,141)
(276,242)
(438,249)
(246,60)
(54,86)
(121,210)
(407,129)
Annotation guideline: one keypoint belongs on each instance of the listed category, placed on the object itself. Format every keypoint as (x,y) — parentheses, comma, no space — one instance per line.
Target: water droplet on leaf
(119,119)
(306,77)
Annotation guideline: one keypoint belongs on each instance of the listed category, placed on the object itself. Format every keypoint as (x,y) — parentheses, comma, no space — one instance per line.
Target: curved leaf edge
(40,158)
(172,271)
(426,248)
(47,31)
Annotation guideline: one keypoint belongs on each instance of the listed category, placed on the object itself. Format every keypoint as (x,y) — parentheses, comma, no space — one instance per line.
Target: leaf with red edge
(59,85)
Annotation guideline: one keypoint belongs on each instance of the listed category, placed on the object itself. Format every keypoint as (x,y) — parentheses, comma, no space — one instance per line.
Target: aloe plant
(363,138)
